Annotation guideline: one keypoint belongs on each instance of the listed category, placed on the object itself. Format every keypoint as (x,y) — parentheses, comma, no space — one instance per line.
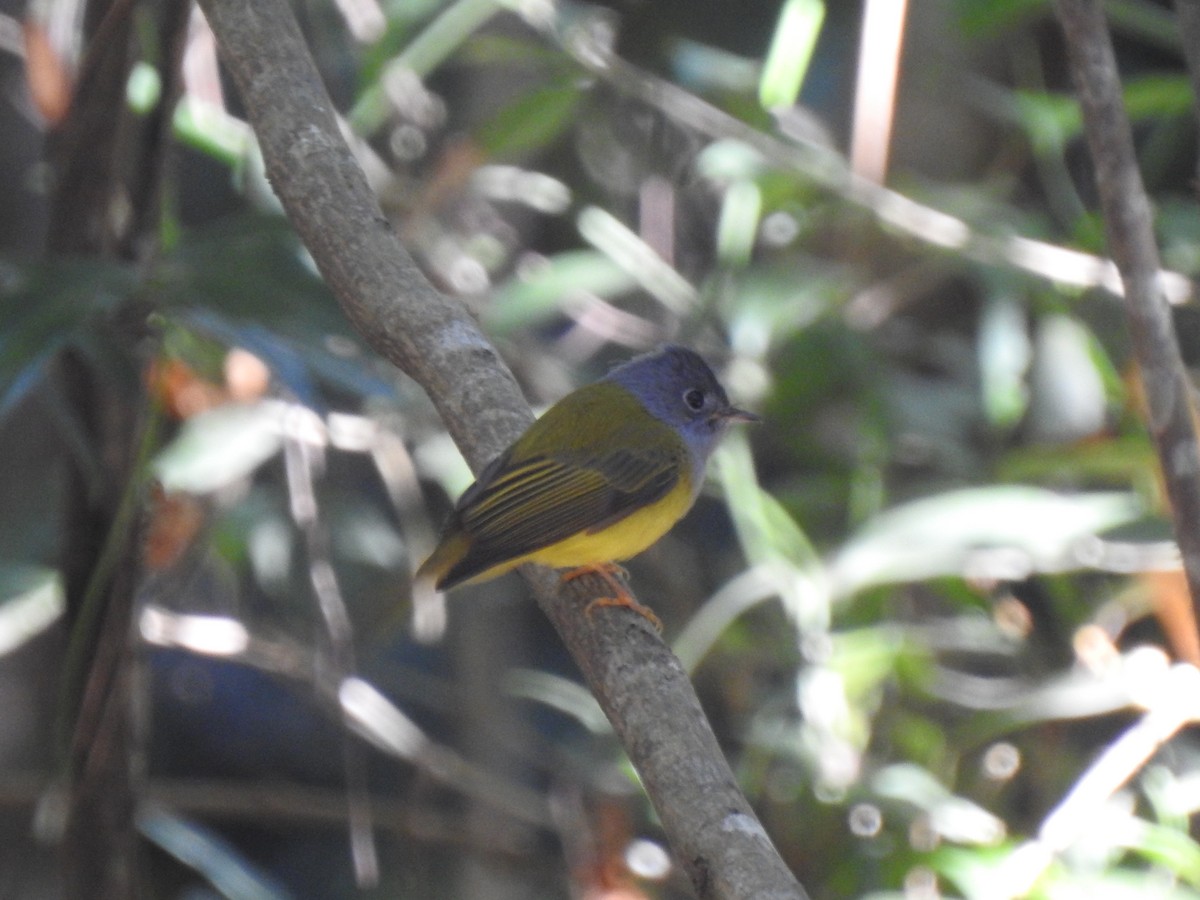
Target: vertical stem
(1129,227)
(108,169)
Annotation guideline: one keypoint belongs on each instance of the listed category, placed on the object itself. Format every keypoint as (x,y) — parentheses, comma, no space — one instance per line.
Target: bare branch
(1129,225)
(1187,13)
(642,687)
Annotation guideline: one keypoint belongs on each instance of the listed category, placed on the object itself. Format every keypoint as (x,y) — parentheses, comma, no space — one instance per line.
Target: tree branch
(640,684)
(1129,226)
(1187,13)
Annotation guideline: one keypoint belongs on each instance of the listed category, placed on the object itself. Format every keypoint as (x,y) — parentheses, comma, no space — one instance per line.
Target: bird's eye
(693,399)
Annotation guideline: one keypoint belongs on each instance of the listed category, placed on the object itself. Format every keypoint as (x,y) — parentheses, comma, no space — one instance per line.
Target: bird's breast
(622,539)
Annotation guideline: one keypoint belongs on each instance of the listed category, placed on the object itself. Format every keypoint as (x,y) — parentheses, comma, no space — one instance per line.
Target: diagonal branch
(640,684)
(1129,226)
(893,210)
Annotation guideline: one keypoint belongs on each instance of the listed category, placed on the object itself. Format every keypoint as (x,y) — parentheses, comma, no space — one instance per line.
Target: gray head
(677,387)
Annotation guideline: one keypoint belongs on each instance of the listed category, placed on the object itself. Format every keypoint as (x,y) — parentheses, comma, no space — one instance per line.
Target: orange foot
(608,572)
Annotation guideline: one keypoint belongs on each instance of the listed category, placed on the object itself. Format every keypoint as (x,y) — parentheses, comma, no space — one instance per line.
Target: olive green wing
(516,509)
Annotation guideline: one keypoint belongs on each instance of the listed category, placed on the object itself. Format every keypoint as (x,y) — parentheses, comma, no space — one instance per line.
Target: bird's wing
(517,509)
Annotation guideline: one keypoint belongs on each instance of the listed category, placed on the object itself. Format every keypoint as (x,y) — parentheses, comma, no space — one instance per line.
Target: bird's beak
(733,414)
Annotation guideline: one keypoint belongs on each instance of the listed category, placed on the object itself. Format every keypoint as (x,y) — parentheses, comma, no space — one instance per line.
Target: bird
(597,479)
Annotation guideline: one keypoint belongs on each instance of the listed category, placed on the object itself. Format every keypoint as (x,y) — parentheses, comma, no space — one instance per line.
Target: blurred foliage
(930,605)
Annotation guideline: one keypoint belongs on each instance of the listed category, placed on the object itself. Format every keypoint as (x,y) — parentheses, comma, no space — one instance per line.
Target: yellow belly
(619,541)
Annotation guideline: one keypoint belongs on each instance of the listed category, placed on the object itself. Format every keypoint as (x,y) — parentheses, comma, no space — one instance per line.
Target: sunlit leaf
(209,855)
(422,48)
(1012,528)
(1050,120)
(144,88)
(219,447)
(532,121)
(1068,401)
(1158,96)
(1053,119)
(1171,848)
(703,66)
(769,536)
(729,160)
(627,249)
(212,131)
(952,817)
(790,52)
(568,697)
(538,292)
(1119,460)
(445,34)
(31,598)
(865,657)
(1004,355)
(737,226)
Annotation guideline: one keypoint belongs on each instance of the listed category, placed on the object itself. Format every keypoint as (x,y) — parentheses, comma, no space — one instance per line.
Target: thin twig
(1171,707)
(1129,226)
(356,705)
(1187,14)
(304,462)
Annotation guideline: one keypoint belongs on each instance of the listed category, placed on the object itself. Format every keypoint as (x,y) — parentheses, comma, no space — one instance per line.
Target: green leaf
(1004,355)
(987,18)
(437,41)
(1168,847)
(1158,97)
(737,227)
(219,447)
(627,249)
(790,53)
(445,34)
(531,122)
(212,131)
(31,598)
(539,293)
(1122,460)
(144,88)
(952,817)
(1051,120)
(210,855)
(1021,529)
